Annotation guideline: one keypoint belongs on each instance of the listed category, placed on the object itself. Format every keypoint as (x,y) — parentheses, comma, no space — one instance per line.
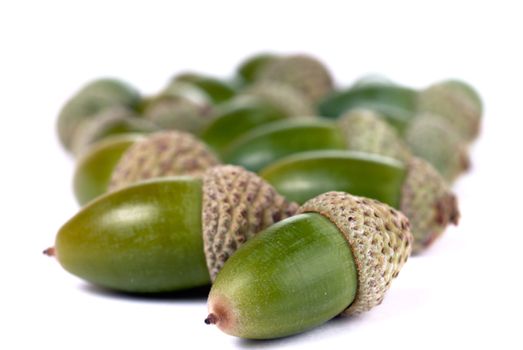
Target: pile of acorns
(333,188)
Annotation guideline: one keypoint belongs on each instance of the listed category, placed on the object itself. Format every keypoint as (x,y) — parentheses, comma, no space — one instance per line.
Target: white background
(464,292)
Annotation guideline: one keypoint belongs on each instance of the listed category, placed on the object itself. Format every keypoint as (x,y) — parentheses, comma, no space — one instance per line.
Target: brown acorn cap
(378,236)
(236,205)
(284,97)
(428,202)
(303,72)
(164,153)
(364,130)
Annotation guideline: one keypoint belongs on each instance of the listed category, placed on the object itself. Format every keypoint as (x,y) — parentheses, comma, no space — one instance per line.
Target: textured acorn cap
(378,236)
(303,72)
(431,137)
(462,112)
(364,130)
(180,106)
(284,97)
(164,153)
(237,204)
(110,121)
(428,202)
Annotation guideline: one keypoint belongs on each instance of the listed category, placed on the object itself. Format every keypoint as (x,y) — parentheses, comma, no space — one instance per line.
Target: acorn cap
(378,236)
(236,205)
(164,153)
(431,137)
(428,202)
(110,121)
(364,130)
(284,97)
(462,112)
(303,72)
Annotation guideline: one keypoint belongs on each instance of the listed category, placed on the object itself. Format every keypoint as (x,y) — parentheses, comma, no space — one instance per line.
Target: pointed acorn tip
(51,251)
(211,319)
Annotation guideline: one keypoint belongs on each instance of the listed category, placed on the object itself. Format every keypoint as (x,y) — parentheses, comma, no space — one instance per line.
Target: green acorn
(414,187)
(95,167)
(357,131)
(302,72)
(458,103)
(167,234)
(236,117)
(162,154)
(218,91)
(108,122)
(89,101)
(181,106)
(338,256)
(248,71)
(431,137)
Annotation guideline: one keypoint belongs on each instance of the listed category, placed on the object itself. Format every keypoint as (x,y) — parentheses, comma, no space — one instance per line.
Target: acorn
(95,167)
(413,186)
(303,72)
(108,122)
(337,256)
(217,90)
(181,106)
(248,71)
(431,137)
(284,97)
(398,104)
(167,234)
(89,101)
(357,131)
(458,103)
(234,118)
(162,154)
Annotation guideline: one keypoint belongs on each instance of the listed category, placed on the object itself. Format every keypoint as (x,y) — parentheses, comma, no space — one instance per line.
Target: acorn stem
(211,319)
(51,251)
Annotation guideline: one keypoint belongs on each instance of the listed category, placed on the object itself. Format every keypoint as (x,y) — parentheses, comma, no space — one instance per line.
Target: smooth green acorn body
(139,239)
(95,167)
(306,175)
(270,142)
(295,275)
(234,119)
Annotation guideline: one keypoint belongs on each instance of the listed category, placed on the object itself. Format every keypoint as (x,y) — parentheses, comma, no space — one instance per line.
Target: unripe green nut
(366,131)
(149,237)
(95,167)
(305,73)
(162,154)
(108,122)
(180,106)
(268,143)
(461,106)
(236,117)
(289,100)
(338,256)
(414,187)
(249,70)
(358,131)
(89,101)
(431,137)
(218,91)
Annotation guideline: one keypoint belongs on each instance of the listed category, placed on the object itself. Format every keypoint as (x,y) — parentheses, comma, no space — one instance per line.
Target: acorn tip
(211,319)
(51,251)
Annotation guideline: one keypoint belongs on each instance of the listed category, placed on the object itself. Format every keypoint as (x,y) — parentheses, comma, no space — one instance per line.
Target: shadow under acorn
(193,294)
